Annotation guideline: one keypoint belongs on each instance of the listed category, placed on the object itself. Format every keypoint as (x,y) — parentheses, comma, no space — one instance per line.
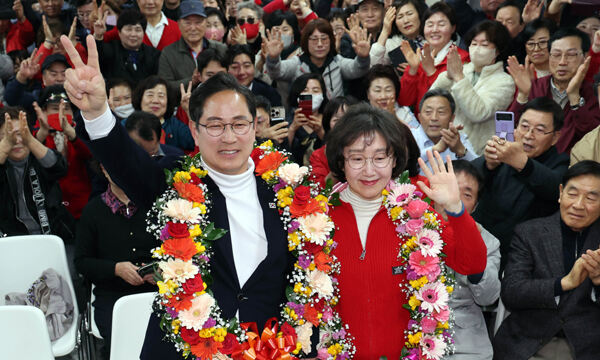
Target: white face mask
(481,56)
(317,100)
(287,40)
(123,111)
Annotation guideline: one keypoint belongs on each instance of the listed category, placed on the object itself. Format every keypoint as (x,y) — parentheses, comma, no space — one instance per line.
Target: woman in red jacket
(387,264)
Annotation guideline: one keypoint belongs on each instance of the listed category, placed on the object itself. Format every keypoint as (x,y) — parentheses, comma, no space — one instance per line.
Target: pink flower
(327,314)
(430,242)
(423,264)
(416,208)
(442,315)
(433,347)
(433,296)
(428,325)
(400,194)
(323,354)
(413,226)
(197,314)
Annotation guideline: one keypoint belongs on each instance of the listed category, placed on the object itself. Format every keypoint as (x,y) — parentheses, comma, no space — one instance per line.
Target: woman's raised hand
(443,186)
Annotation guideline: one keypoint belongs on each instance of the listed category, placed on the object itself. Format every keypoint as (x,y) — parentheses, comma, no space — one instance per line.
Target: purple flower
(204,257)
(210,322)
(413,354)
(304,261)
(343,356)
(411,275)
(418,193)
(164,233)
(411,323)
(172,311)
(339,334)
(298,308)
(294,225)
(279,186)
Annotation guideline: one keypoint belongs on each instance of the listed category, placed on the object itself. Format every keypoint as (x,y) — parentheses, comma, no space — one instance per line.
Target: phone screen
(505,125)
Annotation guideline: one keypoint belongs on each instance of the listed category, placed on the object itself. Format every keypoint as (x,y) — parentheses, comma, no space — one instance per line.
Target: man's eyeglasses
(239,127)
(524,128)
(542,44)
(249,20)
(569,55)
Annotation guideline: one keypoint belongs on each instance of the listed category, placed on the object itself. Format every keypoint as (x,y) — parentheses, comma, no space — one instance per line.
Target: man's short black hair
(80,3)
(208,55)
(236,50)
(145,124)
(495,33)
(363,119)
(439,92)
(547,105)
(584,167)
(466,167)
(263,103)
(566,32)
(512,3)
(131,17)
(114,82)
(219,82)
(149,83)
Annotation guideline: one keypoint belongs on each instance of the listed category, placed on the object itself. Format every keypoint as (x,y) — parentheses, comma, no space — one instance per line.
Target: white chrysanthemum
(197,314)
(316,227)
(433,296)
(304,333)
(320,282)
(182,209)
(429,242)
(433,347)
(178,270)
(292,173)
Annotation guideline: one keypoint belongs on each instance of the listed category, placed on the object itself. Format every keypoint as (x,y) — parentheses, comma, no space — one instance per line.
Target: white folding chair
(130,319)
(23,334)
(22,261)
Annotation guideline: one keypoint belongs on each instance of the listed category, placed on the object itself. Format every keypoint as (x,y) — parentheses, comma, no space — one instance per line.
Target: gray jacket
(470,332)
(176,64)
(338,70)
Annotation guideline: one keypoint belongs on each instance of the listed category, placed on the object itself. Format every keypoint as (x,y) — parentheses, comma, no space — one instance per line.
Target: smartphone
(397,57)
(277,115)
(147,269)
(305,104)
(505,125)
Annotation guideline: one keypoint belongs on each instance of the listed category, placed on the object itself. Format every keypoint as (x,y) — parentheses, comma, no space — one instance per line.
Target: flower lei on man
(189,314)
(429,283)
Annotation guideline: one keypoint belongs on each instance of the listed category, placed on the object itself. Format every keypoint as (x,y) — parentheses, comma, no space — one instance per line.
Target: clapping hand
(532,10)
(591,263)
(238,36)
(451,137)
(413,59)
(443,186)
(84,82)
(427,61)
(521,75)
(455,65)
(361,41)
(66,126)
(576,81)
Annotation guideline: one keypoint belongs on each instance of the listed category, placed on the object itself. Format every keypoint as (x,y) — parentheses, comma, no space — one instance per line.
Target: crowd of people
(99,98)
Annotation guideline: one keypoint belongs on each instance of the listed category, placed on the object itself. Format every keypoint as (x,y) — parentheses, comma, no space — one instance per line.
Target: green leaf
(211,233)
(427,200)
(407,307)
(404,178)
(335,199)
(169,176)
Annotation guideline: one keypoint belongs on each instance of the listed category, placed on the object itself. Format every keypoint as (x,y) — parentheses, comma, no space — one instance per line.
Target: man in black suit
(551,284)
(250,262)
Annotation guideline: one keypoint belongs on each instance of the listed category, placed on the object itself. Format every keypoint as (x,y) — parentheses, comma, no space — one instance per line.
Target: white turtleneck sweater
(246,226)
(364,210)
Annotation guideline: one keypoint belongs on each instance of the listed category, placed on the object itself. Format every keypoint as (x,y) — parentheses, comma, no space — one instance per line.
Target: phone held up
(277,115)
(305,104)
(505,125)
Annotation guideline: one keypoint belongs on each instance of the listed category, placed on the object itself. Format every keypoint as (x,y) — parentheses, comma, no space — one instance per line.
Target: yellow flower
(166,287)
(293,238)
(307,291)
(159,251)
(384,192)
(220,334)
(195,231)
(298,287)
(206,333)
(200,248)
(312,266)
(413,302)
(443,325)
(298,348)
(334,349)
(182,176)
(268,175)
(175,325)
(417,284)
(267,144)
(200,206)
(411,243)
(449,289)
(414,339)
(199,172)
(395,212)
(442,279)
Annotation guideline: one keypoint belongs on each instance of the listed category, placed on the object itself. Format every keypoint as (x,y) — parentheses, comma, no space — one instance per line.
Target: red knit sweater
(370,298)
(171,33)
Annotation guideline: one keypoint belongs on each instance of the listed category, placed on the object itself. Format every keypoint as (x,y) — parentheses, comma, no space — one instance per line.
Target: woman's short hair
(252,6)
(361,120)
(541,23)
(379,71)
(299,85)
(332,108)
(323,26)
(419,5)
(277,18)
(131,17)
(440,7)
(149,83)
(496,33)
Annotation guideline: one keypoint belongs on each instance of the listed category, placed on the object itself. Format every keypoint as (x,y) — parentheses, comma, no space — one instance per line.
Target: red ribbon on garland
(268,346)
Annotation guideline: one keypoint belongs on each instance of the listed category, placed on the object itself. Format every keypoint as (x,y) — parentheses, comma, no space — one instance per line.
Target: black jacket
(61,222)
(115,61)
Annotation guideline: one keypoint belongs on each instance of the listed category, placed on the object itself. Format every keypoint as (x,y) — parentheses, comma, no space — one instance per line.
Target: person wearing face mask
(249,22)
(306,132)
(119,98)
(215,25)
(480,87)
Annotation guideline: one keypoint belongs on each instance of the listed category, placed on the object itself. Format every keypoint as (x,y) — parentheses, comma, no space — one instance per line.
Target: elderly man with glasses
(566,86)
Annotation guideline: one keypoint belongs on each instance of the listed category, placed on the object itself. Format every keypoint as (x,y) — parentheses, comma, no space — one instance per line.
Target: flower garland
(429,283)
(189,314)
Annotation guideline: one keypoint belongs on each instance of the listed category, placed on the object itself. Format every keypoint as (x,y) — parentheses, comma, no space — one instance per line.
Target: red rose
(194,179)
(312,247)
(320,305)
(301,195)
(194,284)
(288,330)
(178,230)
(189,335)
(256,154)
(230,345)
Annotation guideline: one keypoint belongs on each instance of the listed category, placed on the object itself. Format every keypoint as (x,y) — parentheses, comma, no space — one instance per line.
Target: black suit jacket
(535,262)
(264,89)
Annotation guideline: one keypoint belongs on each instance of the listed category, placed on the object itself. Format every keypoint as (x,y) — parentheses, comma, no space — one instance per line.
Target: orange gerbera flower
(322,261)
(184,302)
(180,248)
(311,315)
(312,206)
(270,162)
(190,192)
(206,348)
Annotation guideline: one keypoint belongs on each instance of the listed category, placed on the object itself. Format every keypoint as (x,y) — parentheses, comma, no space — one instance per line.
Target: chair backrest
(22,260)
(130,319)
(23,334)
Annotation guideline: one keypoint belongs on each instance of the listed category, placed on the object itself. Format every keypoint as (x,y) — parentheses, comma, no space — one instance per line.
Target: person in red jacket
(367,149)
(160,30)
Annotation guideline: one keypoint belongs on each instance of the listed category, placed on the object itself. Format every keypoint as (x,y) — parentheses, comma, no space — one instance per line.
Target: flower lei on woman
(190,316)
(429,284)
